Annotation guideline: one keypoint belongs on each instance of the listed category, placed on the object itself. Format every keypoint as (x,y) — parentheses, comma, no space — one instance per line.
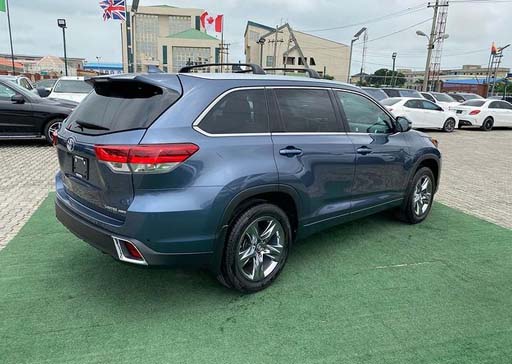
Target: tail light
(154,158)
(474,112)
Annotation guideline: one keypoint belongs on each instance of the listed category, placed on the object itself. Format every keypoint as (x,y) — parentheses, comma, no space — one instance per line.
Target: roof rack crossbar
(311,72)
(254,68)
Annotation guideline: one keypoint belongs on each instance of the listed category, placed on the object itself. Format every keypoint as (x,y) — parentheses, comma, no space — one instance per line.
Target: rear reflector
(134,252)
(474,112)
(144,158)
(55,138)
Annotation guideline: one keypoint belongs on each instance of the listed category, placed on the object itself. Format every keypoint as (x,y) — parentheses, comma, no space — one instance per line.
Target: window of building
(254,36)
(146,36)
(363,115)
(187,56)
(289,60)
(301,61)
(312,61)
(306,111)
(164,54)
(270,61)
(178,24)
(239,112)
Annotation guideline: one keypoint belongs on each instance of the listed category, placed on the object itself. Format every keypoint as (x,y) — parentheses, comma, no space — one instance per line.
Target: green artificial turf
(371,291)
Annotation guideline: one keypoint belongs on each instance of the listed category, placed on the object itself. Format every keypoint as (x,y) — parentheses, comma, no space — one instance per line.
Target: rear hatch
(116,113)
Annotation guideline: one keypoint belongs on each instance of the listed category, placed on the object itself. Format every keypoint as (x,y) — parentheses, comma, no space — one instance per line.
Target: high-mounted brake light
(474,112)
(154,158)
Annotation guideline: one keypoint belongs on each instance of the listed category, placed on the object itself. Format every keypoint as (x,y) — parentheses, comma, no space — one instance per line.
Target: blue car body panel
(186,212)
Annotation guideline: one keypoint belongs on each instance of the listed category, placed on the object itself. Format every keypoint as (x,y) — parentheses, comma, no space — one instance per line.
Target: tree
(385,76)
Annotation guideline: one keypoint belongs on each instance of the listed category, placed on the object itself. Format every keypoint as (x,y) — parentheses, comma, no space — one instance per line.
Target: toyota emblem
(70,144)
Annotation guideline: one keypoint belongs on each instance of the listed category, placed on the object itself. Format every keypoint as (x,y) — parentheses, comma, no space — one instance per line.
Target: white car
(442,99)
(485,113)
(423,114)
(70,88)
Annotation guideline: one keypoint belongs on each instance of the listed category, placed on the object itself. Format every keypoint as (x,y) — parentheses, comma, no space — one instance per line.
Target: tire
(416,196)
(264,233)
(449,125)
(487,124)
(51,126)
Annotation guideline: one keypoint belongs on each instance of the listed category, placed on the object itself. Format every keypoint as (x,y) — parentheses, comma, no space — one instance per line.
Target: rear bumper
(103,240)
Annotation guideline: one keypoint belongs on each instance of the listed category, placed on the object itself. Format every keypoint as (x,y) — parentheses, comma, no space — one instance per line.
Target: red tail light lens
(474,112)
(55,138)
(155,158)
(134,252)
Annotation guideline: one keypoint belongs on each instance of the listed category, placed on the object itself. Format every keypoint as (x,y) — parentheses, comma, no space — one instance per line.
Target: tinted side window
(239,112)
(414,104)
(494,105)
(6,93)
(364,116)
(506,105)
(428,97)
(306,111)
(430,106)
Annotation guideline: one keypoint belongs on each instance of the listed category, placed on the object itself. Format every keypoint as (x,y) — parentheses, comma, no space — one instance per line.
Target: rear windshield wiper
(85,124)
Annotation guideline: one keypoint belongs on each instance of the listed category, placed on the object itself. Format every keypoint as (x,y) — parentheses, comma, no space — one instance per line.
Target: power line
(402,12)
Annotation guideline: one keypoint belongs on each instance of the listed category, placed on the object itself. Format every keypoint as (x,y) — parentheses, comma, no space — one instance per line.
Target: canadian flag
(212,22)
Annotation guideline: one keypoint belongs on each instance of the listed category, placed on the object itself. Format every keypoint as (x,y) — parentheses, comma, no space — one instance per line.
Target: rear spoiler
(161,80)
(311,73)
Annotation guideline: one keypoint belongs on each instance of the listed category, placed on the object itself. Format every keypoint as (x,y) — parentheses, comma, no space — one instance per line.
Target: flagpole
(222,44)
(10,36)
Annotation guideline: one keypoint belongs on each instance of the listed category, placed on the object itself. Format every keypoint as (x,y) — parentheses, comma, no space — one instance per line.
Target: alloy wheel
(422,197)
(449,125)
(54,128)
(261,248)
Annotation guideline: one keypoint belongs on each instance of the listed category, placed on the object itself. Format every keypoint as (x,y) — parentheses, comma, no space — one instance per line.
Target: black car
(25,115)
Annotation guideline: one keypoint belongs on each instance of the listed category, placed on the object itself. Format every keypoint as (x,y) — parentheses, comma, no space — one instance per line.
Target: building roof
(103,66)
(192,34)
(8,63)
(254,24)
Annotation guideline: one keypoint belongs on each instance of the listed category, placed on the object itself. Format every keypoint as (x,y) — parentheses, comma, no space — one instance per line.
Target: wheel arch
(50,118)
(282,196)
(433,163)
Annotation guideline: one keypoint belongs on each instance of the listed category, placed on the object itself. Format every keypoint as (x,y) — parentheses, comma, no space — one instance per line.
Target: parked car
(464,96)
(44,87)
(25,115)
(186,169)
(21,81)
(70,88)
(485,114)
(376,93)
(401,92)
(442,99)
(423,114)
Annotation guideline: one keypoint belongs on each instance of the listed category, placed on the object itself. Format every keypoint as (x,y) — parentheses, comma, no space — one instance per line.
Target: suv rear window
(239,112)
(119,106)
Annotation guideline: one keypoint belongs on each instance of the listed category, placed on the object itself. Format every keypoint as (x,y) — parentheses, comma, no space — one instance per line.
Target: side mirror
(18,99)
(43,91)
(403,124)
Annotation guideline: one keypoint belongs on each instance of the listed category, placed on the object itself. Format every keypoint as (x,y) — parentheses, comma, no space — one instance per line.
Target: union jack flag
(113,9)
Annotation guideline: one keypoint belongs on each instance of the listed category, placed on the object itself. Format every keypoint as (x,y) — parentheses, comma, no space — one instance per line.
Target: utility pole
(275,41)
(10,36)
(393,82)
(431,40)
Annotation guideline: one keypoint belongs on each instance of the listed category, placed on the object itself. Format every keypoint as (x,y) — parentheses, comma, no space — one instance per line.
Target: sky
(472,26)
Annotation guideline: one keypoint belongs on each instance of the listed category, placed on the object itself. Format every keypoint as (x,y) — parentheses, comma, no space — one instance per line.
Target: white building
(295,49)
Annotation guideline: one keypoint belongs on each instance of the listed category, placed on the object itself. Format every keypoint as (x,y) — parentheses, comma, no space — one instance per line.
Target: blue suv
(226,171)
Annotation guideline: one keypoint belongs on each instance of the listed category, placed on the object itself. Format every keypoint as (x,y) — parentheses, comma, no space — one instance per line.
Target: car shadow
(23,143)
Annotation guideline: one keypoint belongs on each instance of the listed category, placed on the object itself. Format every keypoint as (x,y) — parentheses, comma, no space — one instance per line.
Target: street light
(430,46)
(62,24)
(261,41)
(354,39)
(393,80)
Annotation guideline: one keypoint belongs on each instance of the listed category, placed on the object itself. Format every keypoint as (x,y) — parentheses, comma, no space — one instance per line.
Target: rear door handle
(290,151)
(364,150)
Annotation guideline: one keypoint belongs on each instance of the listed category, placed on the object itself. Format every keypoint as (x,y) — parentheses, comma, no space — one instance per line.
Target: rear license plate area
(80,167)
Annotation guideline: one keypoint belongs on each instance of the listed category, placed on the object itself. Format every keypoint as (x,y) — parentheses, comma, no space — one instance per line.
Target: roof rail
(312,73)
(236,67)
